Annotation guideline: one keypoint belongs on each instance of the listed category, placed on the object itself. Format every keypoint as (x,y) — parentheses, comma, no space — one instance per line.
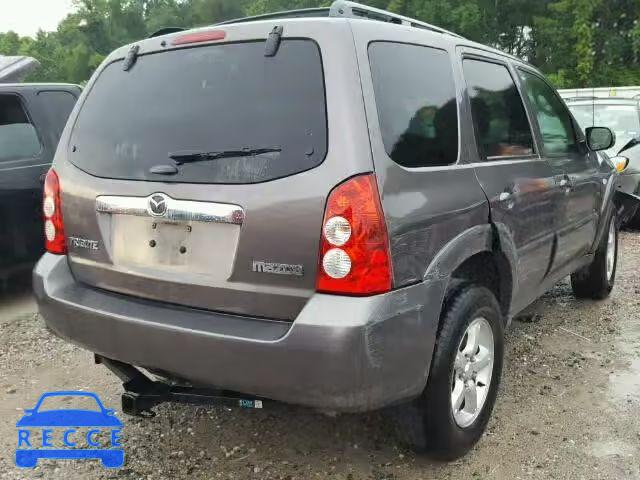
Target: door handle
(506,197)
(566,184)
(509,190)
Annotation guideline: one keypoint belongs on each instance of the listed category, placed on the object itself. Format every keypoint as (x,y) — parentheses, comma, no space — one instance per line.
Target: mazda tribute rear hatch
(198,175)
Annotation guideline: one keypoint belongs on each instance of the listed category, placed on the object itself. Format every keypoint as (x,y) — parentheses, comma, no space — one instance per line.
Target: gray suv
(339,208)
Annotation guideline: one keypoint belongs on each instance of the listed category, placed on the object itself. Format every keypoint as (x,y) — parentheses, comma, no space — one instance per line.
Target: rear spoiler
(15,69)
(166,31)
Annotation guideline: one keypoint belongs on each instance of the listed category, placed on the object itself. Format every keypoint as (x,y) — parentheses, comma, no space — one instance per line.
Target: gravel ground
(569,407)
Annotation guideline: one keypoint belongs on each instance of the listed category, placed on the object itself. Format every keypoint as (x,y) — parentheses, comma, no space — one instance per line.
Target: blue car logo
(98,421)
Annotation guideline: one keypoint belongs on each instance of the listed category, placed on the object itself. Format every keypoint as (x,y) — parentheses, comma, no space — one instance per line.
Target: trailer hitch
(141,393)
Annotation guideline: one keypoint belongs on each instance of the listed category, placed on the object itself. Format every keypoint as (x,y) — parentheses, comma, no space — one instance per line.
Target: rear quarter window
(57,106)
(211,98)
(416,102)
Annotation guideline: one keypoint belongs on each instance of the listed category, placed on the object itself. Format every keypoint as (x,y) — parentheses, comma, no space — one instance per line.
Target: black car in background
(32,117)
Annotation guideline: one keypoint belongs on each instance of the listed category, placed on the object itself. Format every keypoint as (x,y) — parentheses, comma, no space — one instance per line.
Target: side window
(416,101)
(18,137)
(500,120)
(57,106)
(555,122)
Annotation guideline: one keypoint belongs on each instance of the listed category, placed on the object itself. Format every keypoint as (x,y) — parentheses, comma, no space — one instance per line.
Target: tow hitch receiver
(141,393)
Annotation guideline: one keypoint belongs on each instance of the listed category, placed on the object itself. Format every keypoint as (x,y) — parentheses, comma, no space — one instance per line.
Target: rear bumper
(341,353)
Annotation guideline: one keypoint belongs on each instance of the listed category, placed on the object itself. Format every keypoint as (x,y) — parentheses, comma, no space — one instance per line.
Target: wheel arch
(483,254)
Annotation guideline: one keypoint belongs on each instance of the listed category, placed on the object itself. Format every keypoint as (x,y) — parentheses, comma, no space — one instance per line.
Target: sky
(26,17)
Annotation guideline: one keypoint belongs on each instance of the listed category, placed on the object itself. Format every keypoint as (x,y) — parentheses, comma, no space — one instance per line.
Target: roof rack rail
(608,99)
(343,8)
(346,9)
(302,13)
(585,97)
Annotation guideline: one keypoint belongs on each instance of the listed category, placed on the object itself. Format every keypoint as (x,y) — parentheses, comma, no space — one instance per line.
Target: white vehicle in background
(615,107)
(621,114)
(602,92)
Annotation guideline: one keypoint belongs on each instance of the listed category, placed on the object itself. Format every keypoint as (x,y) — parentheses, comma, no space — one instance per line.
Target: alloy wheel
(472,372)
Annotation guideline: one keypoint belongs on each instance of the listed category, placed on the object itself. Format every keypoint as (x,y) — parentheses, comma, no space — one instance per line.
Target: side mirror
(29,411)
(621,163)
(600,138)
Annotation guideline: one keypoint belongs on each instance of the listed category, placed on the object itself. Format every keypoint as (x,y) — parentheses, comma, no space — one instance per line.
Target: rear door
(429,195)
(517,181)
(157,205)
(575,169)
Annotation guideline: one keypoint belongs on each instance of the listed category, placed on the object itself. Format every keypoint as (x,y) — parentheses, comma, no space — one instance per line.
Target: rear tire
(596,281)
(431,423)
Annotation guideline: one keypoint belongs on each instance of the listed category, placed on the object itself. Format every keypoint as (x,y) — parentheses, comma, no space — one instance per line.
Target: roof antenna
(273,42)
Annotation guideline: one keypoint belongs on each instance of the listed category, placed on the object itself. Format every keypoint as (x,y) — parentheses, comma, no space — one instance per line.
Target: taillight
(54,240)
(197,37)
(354,250)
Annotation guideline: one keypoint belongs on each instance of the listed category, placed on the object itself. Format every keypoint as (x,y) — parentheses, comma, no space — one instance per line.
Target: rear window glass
(211,99)
(57,106)
(416,101)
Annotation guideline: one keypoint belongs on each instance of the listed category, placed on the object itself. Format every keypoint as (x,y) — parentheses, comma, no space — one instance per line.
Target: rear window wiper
(193,157)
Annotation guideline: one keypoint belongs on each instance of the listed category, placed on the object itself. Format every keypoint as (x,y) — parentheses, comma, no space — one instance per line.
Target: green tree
(589,43)
(577,42)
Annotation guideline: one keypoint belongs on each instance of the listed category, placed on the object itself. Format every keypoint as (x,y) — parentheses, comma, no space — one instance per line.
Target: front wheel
(596,280)
(452,413)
